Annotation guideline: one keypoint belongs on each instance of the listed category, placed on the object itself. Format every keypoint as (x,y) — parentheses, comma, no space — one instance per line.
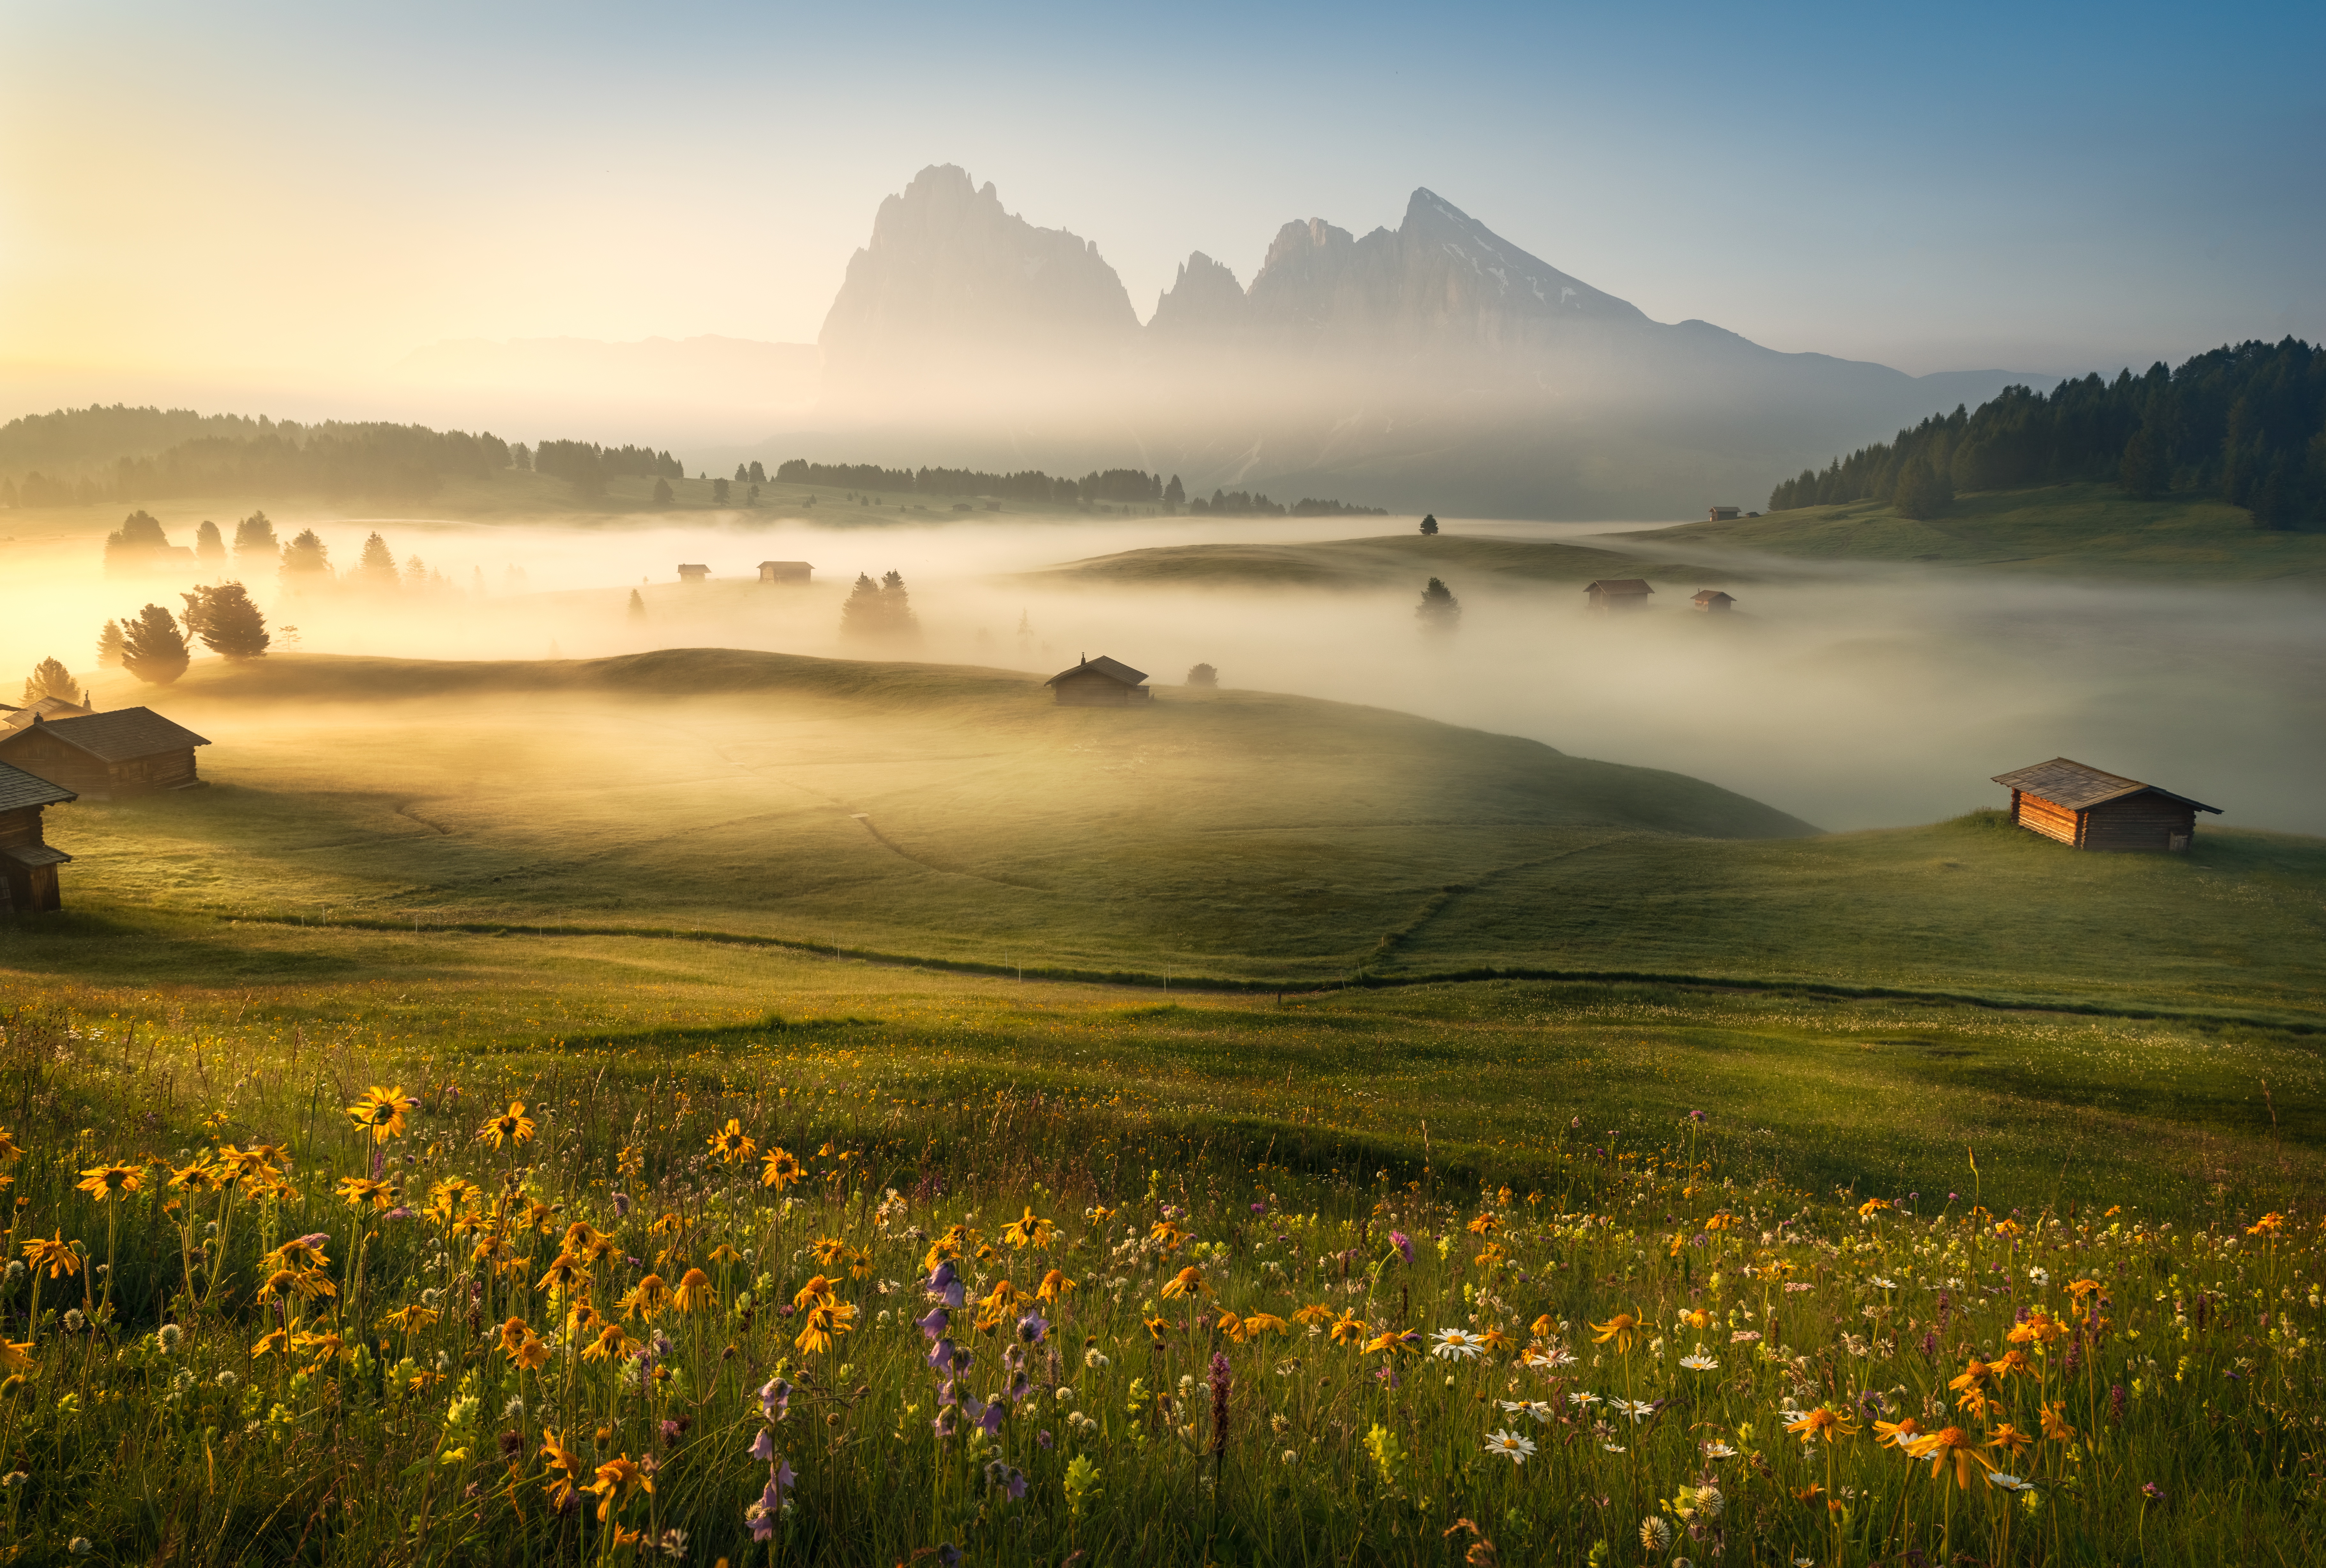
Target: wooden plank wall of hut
(2137,822)
(20,826)
(2052,821)
(165,771)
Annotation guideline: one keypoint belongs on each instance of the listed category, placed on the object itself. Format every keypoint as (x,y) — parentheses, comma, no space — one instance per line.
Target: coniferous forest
(2246,424)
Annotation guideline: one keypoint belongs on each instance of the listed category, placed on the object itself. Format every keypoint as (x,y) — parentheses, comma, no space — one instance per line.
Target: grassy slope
(1235,834)
(1392,560)
(2089,529)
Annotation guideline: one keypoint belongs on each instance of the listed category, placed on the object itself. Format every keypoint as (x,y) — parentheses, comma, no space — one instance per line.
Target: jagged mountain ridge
(1431,364)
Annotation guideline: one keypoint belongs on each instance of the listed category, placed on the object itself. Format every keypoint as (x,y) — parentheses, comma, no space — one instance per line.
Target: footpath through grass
(635,1247)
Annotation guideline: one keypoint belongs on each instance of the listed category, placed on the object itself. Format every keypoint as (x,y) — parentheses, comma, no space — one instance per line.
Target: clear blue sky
(2041,188)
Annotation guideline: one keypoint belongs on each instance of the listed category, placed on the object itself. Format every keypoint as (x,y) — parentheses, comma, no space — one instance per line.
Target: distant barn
(28,866)
(693,573)
(41,708)
(130,751)
(1712,601)
(1100,683)
(781,571)
(2091,810)
(1725,513)
(1613,593)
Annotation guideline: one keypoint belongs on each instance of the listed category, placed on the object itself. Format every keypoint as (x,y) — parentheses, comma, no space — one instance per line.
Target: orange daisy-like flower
(1314,1313)
(1823,1424)
(779,1170)
(380,1112)
(512,1125)
(1951,1446)
(1053,1287)
(1349,1329)
(694,1292)
(1622,1330)
(104,1182)
(730,1144)
(1188,1280)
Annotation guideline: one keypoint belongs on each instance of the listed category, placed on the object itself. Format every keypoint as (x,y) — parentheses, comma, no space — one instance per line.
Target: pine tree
(378,565)
(136,543)
(306,556)
(109,646)
(1922,491)
(253,537)
(741,473)
(152,648)
(637,605)
(1429,525)
(227,621)
(719,492)
(1440,610)
(1174,493)
(861,616)
(1203,675)
(758,475)
(209,544)
(50,678)
(2147,468)
(897,608)
(662,493)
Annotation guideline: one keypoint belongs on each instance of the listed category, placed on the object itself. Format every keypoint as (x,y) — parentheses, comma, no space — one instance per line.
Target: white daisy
(1699,1362)
(1716,1449)
(2010,1483)
(1509,1444)
(1457,1345)
(1637,1409)
(1584,1397)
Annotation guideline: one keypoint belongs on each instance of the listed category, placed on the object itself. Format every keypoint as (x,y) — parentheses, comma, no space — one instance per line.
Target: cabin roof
(45,708)
(119,735)
(2079,787)
(1706,595)
(808,565)
(1620,584)
(30,855)
(1113,669)
(19,789)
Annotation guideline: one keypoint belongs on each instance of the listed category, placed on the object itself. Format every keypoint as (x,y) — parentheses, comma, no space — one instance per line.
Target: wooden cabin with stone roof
(1100,683)
(2087,809)
(28,866)
(130,751)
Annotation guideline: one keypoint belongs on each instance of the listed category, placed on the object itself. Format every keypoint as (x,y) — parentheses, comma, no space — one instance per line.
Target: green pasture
(2088,529)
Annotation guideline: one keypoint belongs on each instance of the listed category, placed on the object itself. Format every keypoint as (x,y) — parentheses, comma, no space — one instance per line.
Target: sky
(234,201)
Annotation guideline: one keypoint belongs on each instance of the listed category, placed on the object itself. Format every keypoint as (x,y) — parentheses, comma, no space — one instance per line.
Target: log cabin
(688,572)
(1712,601)
(1100,683)
(41,708)
(1725,513)
(28,866)
(784,570)
(2087,809)
(130,751)
(1613,593)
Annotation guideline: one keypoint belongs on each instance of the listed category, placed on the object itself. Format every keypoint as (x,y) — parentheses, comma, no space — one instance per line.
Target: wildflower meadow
(546,1312)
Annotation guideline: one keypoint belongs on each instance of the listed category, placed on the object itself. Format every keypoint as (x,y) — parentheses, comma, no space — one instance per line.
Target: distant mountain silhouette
(1435,364)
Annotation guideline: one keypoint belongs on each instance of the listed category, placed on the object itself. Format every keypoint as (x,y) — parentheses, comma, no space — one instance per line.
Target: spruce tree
(152,648)
(662,493)
(136,543)
(227,621)
(50,678)
(1440,610)
(861,616)
(1429,525)
(637,605)
(378,565)
(306,556)
(897,608)
(253,537)
(2146,470)
(1203,675)
(109,646)
(209,544)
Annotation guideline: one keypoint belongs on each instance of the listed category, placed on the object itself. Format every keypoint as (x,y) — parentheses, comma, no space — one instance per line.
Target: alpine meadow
(721,845)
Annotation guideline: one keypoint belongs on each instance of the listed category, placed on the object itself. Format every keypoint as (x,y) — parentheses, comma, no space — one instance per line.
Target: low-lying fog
(1853,699)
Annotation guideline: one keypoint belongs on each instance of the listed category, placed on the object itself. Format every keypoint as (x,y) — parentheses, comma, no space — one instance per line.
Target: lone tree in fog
(879,611)
(662,493)
(50,678)
(209,544)
(306,556)
(1440,610)
(227,622)
(253,537)
(1429,525)
(152,648)
(136,544)
(1922,491)
(719,492)
(109,646)
(377,566)
(637,605)
(1203,675)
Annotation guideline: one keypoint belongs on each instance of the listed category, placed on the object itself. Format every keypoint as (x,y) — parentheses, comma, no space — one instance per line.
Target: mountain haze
(1432,365)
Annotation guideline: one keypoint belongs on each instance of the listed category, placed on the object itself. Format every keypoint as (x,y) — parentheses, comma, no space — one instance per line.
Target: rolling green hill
(2090,530)
(1391,560)
(954,814)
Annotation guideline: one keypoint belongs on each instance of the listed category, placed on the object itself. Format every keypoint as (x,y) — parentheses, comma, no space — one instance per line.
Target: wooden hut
(1614,593)
(687,573)
(2091,810)
(28,866)
(1725,513)
(130,751)
(1712,601)
(1100,683)
(784,570)
(41,708)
